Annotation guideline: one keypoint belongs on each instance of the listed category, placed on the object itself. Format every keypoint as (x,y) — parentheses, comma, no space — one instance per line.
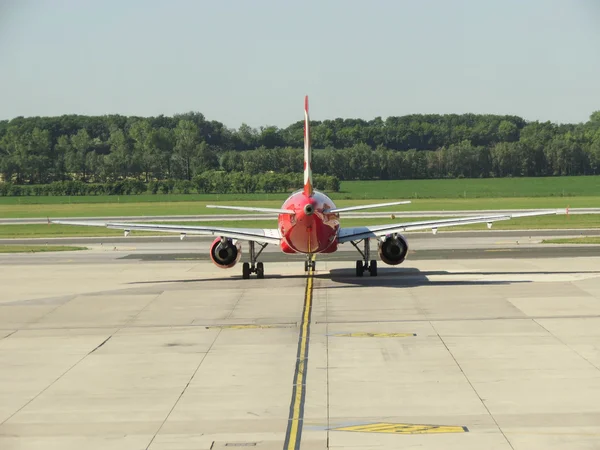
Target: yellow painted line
(293,433)
(403,428)
(376,335)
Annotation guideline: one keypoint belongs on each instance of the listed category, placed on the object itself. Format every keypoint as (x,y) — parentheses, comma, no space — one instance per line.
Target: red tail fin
(308,189)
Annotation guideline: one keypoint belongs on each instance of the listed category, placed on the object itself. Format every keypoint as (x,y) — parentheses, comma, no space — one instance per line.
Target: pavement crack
(56,380)
(101,344)
(9,335)
(184,389)
(43,316)
(142,310)
(566,345)
(236,305)
(471,384)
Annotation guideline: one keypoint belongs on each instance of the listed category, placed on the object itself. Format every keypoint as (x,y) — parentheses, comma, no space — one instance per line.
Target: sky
(242,61)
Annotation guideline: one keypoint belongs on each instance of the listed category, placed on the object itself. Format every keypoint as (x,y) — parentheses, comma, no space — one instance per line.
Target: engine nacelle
(393,249)
(224,253)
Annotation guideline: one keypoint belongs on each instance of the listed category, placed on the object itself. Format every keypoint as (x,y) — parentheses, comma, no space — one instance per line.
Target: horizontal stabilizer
(359,207)
(253,209)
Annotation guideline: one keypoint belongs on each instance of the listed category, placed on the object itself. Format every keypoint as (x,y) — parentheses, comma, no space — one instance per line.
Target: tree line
(209,182)
(112,148)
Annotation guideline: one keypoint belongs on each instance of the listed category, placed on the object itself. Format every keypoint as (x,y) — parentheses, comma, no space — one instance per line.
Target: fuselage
(311,229)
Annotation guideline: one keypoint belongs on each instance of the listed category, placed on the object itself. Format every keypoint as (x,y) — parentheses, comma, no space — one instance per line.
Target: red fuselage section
(311,229)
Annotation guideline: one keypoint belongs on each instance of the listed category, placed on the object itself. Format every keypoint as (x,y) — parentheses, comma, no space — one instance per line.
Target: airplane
(308,223)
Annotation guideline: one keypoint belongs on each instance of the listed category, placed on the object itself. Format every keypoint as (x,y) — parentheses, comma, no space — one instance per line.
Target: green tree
(76,158)
(187,140)
(145,154)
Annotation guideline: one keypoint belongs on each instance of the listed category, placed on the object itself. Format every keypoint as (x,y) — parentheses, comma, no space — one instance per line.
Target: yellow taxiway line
(293,434)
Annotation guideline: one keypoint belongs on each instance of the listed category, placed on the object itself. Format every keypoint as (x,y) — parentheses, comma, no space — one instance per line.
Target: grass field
(426,195)
(472,188)
(539,222)
(198,208)
(579,240)
(37,248)
(372,190)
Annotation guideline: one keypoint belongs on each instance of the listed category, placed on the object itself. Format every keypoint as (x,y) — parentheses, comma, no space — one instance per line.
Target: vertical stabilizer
(308,189)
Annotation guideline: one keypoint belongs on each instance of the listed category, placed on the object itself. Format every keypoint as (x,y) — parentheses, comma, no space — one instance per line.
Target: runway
(481,342)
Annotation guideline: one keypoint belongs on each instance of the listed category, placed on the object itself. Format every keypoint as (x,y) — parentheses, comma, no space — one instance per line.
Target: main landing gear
(362,266)
(254,267)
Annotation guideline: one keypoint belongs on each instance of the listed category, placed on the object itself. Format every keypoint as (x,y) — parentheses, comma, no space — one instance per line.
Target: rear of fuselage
(310,229)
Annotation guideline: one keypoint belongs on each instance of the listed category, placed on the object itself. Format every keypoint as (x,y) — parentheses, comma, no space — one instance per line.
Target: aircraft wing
(265,236)
(358,233)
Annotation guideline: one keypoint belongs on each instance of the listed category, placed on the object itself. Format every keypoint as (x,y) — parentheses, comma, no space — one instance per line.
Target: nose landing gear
(310,264)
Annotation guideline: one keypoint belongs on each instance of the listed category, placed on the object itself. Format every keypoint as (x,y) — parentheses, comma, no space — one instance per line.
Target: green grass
(57,231)
(526,223)
(472,188)
(37,248)
(142,198)
(580,240)
(443,195)
(370,190)
(426,195)
(199,208)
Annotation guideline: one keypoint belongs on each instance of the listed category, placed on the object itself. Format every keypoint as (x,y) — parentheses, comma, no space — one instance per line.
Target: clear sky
(253,60)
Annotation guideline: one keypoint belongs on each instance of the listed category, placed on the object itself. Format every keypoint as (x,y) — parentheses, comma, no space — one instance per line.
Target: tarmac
(490,341)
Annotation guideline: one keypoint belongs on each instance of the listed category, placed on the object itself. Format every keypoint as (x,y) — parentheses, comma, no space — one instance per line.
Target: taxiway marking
(247,326)
(375,335)
(403,428)
(293,433)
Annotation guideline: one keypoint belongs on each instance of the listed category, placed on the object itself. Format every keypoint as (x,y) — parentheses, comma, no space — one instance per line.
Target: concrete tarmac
(111,348)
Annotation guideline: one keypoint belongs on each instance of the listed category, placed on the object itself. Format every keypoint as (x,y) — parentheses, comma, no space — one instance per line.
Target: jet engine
(393,249)
(224,253)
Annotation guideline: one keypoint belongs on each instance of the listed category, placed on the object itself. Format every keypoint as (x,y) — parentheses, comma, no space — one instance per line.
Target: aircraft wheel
(359,268)
(373,268)
(245,271)
(306,266)
(260,270)
(313,265)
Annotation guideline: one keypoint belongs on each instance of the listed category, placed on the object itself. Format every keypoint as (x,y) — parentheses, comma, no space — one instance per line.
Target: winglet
(308,189)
